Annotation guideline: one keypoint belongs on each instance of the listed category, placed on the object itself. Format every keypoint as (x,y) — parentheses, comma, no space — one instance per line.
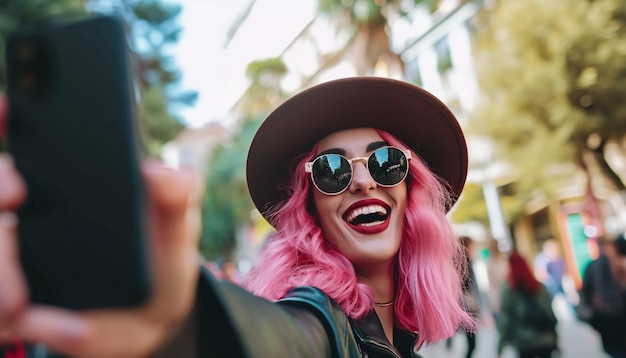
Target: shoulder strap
(334,319)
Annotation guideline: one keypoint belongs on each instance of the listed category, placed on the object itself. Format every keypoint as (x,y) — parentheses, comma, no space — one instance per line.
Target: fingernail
(152,166)
(74,327)
(8,219)
(11,302)
(5,162)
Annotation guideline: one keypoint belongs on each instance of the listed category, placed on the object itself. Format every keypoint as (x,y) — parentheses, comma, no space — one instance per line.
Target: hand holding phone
(90,159)
(173,198)
(73,136)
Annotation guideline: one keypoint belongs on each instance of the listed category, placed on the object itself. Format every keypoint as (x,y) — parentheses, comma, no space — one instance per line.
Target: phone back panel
(73,136)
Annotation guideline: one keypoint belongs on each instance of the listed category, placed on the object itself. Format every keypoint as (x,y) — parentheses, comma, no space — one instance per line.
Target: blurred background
(537,85)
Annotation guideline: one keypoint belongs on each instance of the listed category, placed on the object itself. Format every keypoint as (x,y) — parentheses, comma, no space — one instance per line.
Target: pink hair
(428,269)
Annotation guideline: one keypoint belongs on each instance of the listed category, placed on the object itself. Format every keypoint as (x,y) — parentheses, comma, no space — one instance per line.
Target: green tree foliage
(535,69)
(14,14)
(153,28)
(264,91)
(471,206)
(372,10)
(226,204)
(596,68)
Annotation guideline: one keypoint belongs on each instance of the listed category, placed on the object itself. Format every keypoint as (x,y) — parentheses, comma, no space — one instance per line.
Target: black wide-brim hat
(410,113)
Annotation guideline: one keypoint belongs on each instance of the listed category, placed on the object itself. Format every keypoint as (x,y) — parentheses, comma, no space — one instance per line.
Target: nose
(362,181)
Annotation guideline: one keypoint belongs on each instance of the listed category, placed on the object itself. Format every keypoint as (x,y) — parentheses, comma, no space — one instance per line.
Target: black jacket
(230,322)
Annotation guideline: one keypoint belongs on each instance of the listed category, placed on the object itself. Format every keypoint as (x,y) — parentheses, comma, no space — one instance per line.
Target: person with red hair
(11,347)
(527,321)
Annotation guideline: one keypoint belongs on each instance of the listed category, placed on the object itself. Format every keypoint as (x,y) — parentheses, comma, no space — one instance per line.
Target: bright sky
(218,72)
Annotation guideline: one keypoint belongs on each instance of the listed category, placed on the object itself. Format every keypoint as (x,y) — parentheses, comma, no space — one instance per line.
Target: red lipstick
(369,229)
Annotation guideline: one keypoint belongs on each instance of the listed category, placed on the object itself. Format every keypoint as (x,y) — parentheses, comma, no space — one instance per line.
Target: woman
(527,321)
(356,176)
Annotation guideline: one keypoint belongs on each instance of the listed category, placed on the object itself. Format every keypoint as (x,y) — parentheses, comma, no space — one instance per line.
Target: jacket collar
(370,332)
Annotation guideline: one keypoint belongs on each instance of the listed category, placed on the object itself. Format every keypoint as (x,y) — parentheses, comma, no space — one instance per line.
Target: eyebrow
(370,148)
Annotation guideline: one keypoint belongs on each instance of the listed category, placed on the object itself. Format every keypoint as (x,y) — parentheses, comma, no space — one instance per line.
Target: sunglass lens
(331,173)
(388,166)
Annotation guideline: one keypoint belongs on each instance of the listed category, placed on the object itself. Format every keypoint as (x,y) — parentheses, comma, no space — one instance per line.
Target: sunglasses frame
(308,168)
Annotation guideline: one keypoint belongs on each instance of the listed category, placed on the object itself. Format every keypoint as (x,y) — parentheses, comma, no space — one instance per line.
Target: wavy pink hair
(428,268)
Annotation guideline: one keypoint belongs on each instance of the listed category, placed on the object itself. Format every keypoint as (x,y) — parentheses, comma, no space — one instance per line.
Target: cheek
(400,198)
(400,195)
(326,209)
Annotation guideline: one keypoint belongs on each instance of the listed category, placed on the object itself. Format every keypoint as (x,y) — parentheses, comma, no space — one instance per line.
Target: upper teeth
(364,210)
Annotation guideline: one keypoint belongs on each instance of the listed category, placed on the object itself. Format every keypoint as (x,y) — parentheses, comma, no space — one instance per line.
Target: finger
(13,293)
(137,332)
(13,296)
(12,187)
(121,333)
(194,205)
(111,333)
(176,263)
(168,189)
(59,330)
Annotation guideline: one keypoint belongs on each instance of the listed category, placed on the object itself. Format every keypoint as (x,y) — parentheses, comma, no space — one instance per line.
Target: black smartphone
(73,134)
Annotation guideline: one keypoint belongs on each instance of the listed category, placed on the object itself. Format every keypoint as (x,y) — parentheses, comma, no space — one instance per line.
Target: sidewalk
(576,340)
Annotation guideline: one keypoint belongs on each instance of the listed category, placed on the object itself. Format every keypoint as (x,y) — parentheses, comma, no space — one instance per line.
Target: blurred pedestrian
(472,297)
(11,347)
(603,298)
(497,265)
(549,267)
(527,321)
(620,258)
(471,294)
(231,273)
(620,246)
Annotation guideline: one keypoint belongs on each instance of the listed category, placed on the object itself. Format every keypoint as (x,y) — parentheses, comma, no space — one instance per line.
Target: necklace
(385,304)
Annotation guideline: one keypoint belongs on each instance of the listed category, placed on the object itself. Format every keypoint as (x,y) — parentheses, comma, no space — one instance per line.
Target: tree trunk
(371,45)
(592,206)
(606,169)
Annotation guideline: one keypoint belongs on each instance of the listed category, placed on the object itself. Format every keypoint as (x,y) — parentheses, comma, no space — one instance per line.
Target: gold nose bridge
(359,159)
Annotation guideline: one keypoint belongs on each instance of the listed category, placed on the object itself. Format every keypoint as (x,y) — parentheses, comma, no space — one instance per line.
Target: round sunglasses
(332,173)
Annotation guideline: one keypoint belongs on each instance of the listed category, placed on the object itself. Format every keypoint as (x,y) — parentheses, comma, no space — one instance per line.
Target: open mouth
(369,215)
